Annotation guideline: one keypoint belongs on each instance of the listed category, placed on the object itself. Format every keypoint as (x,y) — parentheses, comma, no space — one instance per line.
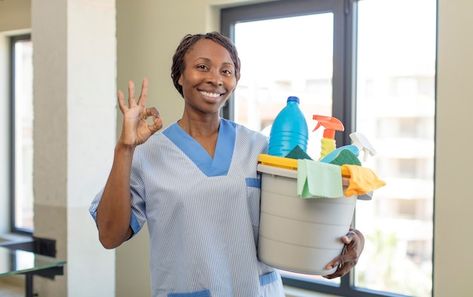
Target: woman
(193,184)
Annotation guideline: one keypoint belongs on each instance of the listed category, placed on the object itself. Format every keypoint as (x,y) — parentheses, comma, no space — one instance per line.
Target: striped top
(202,213)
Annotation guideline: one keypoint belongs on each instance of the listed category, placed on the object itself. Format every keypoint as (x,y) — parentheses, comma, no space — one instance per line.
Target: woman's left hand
(354,242)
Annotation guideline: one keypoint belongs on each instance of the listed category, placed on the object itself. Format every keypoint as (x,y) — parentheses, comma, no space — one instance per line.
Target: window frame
(343,98)
(343,102)
(12,138)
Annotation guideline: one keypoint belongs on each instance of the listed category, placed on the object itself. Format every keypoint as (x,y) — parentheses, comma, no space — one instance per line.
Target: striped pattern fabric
(202,215)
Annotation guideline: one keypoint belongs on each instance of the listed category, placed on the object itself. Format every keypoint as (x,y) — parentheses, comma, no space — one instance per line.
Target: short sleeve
(138,205)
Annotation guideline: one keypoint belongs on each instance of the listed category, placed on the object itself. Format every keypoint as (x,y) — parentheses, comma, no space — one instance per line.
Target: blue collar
(217,166)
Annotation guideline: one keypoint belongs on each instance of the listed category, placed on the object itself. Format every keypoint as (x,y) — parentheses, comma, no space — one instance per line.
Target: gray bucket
(295,234)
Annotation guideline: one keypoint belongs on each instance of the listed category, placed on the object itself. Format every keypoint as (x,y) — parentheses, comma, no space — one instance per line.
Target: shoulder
(244,134)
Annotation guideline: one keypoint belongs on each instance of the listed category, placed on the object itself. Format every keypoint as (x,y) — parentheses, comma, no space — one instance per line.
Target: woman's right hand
(135,129)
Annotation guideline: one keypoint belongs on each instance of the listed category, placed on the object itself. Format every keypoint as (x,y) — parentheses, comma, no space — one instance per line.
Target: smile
(210,94)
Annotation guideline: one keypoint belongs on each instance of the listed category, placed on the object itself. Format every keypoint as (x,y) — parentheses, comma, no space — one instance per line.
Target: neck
(199,125)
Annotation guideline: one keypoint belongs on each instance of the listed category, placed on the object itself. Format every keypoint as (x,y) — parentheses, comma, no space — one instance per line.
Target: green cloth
(346,157)
(318,180)
(298,153)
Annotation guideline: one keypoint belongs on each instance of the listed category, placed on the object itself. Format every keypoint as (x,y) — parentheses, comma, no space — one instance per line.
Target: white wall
(14,20)
(74,119)
(454,199)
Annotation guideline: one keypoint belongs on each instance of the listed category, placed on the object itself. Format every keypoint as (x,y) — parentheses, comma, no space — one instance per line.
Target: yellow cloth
(361,180)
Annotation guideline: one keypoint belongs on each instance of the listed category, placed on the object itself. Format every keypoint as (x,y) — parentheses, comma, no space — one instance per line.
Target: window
(21,75)
(356,61)
(398,59)
(313,32)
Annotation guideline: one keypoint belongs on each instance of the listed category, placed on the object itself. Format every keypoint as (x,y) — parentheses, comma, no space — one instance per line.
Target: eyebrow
(208,60)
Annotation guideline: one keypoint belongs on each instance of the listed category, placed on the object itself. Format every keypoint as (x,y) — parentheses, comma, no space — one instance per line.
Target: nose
(214,77)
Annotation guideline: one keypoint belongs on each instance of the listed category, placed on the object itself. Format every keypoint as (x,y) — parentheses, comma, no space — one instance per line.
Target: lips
(210,94)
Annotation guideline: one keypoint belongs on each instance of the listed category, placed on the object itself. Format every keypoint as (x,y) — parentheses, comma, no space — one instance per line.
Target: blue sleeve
(138,205)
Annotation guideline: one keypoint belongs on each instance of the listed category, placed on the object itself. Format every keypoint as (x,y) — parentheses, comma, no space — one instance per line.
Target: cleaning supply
(360,141)
(345,157)
(316,179)
(279,162)
(297,153)
(331,124)
(329,158)
(361,180)
(295,234)
(289,130)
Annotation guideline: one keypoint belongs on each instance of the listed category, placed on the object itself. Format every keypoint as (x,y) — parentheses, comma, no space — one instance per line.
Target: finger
(131,94)
(152,111)
(347,239)
(341,271)
(157,122)
(334,263)
(144,92)
(121,101)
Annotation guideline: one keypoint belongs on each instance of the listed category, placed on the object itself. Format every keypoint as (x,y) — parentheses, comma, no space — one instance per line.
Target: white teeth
(208,94)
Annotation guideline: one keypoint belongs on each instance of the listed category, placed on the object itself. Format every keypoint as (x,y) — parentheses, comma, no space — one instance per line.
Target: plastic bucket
(295,234)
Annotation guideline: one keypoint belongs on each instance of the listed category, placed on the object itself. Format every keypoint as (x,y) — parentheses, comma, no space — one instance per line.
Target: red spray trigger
(330,124)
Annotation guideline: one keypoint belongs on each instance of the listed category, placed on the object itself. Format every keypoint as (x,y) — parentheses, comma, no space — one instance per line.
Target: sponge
(298,154)
(346,157)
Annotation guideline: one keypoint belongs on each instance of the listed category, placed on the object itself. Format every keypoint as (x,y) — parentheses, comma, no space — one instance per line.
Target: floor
(13,288)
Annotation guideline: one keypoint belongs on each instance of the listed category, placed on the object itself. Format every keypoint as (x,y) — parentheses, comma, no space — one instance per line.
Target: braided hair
(187,42)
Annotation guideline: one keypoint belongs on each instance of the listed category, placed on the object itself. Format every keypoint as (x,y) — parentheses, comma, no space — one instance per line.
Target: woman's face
(208,78)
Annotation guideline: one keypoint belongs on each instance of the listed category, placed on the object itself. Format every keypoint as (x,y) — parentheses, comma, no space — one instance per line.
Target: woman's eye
(227,72)
(202,67)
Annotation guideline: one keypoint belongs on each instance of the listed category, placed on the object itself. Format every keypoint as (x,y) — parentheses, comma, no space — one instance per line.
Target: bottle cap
(292,99)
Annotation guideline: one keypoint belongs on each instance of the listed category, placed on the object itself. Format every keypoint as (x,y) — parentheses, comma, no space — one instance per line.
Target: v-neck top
(202,214)
(220,163)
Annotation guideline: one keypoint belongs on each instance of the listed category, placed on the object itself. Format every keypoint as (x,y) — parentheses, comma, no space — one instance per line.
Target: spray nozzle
(330,124)
(363,144)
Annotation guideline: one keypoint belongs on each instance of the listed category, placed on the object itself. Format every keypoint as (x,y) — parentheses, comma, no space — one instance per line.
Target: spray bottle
(359,143)
(331,125)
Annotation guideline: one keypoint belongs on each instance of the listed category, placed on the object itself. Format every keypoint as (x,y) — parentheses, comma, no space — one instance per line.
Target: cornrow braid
(187,42)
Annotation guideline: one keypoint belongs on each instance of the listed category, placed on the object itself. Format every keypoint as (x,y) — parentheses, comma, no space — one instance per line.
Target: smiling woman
(195,184)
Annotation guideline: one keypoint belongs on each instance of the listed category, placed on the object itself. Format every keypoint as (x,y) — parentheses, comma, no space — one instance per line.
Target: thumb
(347,239)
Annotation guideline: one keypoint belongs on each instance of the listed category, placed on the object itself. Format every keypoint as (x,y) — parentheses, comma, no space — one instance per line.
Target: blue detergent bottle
(289,130)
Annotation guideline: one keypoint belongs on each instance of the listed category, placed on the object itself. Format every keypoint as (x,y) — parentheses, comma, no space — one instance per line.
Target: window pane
(281,58)
(395,109)
(23,117)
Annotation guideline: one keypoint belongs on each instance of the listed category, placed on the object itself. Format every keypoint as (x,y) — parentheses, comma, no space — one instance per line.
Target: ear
(180,80)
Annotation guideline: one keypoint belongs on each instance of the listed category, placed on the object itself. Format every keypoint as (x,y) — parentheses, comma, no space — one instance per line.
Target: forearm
(114,210)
